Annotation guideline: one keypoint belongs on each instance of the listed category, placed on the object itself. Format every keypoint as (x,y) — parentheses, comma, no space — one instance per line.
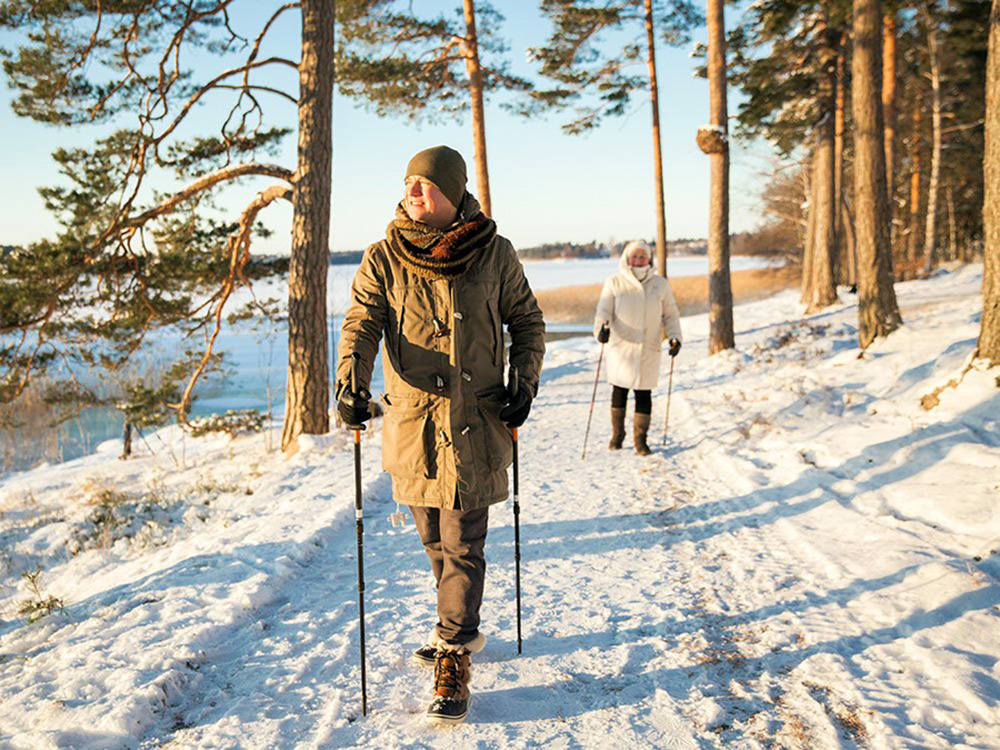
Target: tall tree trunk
(308,392)
(809,249)
(720,293)
(842,273)
(952,229)
(823,287)
(914,224)
(878,313)
(475,74)
(930,229)
(852,242)
(889,104)
(654,97)
(989,331)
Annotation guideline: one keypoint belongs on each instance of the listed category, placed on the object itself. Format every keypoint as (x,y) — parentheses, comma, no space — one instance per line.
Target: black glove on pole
(518,403)
(360,524)
(675,347)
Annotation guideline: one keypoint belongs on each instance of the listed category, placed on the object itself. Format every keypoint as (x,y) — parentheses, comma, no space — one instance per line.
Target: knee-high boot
(640,430)
(617,428)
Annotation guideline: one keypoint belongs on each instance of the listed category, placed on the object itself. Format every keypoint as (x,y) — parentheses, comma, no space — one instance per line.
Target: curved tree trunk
(720,294)
(475,74)
(308,391)
(878,313)
(654,97)
(989,331)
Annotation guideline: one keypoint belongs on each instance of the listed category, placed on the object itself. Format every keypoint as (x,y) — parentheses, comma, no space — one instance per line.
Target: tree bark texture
(654,97)
(878,313)
(808,250)
(308,390)
(889,103)
(720,293)
(475,73)
(930,228)
(989,332)
(823,290)
(844,267)
(952,229)
(913,240)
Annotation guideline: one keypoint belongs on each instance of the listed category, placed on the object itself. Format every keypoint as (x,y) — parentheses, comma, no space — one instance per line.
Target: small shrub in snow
(120,515)
(232,423)
(38,605)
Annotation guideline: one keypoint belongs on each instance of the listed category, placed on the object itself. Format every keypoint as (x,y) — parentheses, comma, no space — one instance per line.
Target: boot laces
(446,672)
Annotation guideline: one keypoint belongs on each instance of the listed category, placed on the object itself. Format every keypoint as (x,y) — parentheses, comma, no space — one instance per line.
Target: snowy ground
(811,562)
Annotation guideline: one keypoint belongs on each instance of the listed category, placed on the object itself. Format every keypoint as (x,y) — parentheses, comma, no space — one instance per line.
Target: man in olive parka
(439,289)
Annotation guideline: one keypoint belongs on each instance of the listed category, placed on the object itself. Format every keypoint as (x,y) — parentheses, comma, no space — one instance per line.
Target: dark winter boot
(617,429)
(426,655)
(452,672)
(640,430)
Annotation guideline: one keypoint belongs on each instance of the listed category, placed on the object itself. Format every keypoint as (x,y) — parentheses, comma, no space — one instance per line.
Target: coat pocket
(498,451)
(408,438)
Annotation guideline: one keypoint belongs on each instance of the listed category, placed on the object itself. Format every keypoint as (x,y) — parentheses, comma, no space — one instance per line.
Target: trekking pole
(514,385)
(670,388)
(360,524)
(593,397)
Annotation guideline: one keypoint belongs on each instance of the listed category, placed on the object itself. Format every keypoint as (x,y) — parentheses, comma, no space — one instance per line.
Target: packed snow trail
(796,569)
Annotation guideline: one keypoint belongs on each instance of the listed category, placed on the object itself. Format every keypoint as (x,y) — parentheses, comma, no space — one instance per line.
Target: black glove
(604,334)
(675,347)
(353,407)
(517,408)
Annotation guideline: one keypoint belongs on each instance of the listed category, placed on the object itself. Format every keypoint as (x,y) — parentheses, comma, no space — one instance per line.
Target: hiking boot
(452,672)
(617,429)
(426,655)
(640,429)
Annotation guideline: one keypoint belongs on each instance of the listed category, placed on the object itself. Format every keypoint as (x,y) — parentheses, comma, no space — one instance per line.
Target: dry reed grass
(576,304)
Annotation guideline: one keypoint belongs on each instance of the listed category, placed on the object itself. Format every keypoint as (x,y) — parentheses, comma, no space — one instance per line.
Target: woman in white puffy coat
(635,315)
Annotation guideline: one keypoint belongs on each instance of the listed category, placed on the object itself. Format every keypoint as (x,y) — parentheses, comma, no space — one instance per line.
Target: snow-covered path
(810,562)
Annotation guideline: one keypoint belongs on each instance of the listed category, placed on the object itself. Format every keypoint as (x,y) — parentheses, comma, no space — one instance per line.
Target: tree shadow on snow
(580,694)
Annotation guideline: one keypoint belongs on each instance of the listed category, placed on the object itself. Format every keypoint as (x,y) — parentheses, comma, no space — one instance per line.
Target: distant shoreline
(575,305)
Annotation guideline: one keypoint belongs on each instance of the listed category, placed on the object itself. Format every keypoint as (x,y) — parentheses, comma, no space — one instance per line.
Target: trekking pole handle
(355,361)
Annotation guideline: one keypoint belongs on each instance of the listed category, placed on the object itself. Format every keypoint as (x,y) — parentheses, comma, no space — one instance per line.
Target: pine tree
(878,314)
(720,294)
(397,62)
(598,81)
(129,260)
(785,61)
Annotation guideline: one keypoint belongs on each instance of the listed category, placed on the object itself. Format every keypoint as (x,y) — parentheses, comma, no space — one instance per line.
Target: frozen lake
(258,359)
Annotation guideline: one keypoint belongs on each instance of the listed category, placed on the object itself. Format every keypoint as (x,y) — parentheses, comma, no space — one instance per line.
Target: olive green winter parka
(443,358)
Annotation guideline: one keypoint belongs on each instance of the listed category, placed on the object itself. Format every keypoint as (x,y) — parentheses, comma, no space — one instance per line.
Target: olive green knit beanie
(443,166)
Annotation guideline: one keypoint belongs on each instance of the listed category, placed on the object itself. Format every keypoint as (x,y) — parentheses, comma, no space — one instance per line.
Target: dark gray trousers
(454,542)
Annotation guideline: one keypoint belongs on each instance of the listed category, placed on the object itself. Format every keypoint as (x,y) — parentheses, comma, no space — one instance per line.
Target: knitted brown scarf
(441,253)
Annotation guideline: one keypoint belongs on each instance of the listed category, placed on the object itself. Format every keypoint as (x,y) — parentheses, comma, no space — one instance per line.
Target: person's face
(426,204)
(638,259)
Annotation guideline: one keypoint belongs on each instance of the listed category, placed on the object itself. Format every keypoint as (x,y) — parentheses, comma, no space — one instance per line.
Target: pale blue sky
(546,186)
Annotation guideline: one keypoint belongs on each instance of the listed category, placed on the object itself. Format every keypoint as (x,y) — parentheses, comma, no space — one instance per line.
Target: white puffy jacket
(641,315)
